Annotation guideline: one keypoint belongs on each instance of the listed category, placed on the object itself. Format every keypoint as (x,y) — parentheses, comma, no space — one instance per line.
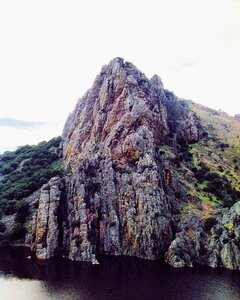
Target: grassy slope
(222,129)
(218,153)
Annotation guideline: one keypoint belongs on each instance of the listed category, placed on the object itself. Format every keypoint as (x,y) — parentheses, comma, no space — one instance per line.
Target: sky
(51,52)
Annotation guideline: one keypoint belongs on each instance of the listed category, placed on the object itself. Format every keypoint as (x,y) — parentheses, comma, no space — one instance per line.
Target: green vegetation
(184,154)
(22,172)
(18,232)
(216,157)
(27,169)
(203,185)
(166,150)
(23,212)
(229,226)
(214,183)
(75,223)
(2,227)
(209,223)
(210,169)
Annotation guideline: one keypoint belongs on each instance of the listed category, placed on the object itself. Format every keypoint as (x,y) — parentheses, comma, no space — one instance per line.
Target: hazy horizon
(52,51)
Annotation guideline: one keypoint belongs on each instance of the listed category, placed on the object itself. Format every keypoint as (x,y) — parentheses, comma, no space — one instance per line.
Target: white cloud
(11,138)
(21,124)
(51,52)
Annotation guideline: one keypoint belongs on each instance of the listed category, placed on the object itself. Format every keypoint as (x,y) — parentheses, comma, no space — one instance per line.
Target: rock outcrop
(237,117)
(121,195)
(45,225)
(215,247)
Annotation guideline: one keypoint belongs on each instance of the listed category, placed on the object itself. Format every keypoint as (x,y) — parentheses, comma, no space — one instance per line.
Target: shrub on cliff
(2,227)
(22,213)
(18,232)
(209,223)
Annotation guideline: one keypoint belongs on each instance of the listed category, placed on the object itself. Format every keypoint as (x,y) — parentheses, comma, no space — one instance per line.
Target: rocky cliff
(218,247)
(124,194)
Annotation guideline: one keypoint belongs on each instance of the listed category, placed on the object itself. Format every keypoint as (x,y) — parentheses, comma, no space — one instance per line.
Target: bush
(205,134)
(75,223)
(18,232)
(2,227)
(213,186)
(200,175)
(43,180)
(228,202)
(223,145)
(209,223)
(9,209)
(23,207)
(170,135)
(2,237)
(6,169)
(194,169)
(22,213)
(21,217)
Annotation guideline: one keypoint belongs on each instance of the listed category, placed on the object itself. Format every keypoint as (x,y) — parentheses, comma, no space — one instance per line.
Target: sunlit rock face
(121,192)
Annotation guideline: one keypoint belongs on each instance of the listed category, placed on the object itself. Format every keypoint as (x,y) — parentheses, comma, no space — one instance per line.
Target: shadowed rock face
(121,196)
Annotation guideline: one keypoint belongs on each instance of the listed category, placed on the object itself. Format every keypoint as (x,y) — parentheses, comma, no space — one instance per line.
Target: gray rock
(120,197)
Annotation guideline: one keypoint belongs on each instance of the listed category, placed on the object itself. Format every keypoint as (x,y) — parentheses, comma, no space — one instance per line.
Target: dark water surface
(116,278)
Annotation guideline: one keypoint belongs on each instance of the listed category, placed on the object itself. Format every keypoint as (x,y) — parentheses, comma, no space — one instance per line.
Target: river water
(116,278)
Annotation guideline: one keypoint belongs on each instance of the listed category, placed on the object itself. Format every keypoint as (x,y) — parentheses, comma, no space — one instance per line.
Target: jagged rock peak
(156,81)
(121,101)
(237,117)
(118,66)
(118,63)
(120,191)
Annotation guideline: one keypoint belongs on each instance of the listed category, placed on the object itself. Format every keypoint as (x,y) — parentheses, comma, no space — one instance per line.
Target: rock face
(121,192)
(218,247)
(237,117)
(45,224)
(121,195)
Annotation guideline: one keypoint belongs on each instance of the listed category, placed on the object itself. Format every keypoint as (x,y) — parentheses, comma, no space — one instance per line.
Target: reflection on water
(11,287)
(115,278)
